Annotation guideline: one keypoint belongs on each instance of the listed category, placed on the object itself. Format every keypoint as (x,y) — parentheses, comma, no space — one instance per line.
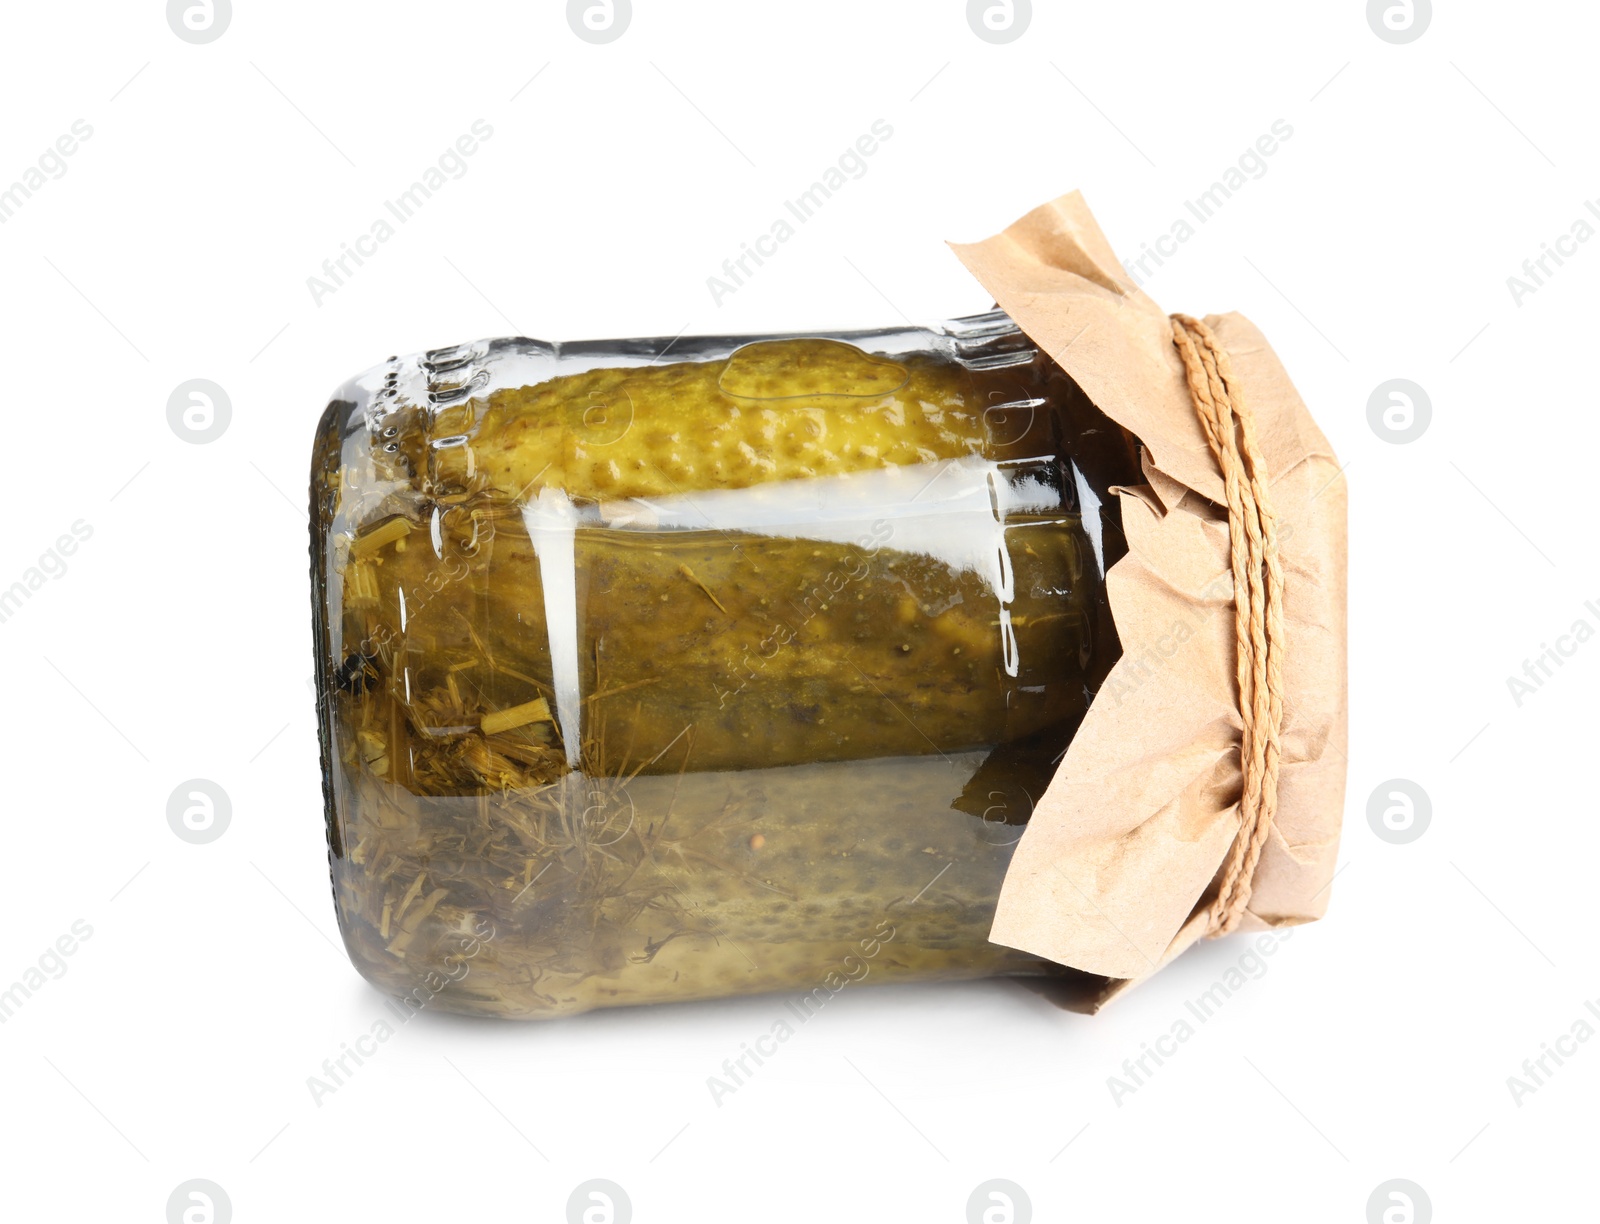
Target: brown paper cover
(1123,850)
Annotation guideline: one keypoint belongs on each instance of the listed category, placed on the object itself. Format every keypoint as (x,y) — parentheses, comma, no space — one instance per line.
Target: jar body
(668,669)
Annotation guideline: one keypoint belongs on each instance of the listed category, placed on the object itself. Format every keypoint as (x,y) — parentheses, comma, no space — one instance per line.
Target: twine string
(1258,604)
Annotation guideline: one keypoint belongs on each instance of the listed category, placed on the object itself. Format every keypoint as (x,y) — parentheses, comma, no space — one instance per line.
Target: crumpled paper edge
(1123,850)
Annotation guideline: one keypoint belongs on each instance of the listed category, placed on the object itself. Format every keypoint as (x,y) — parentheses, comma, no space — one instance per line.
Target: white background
(176,644)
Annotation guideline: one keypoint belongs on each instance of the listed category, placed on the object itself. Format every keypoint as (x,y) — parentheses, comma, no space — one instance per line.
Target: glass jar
(666,669)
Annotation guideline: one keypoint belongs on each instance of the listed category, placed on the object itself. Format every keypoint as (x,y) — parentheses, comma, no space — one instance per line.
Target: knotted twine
(1257,600)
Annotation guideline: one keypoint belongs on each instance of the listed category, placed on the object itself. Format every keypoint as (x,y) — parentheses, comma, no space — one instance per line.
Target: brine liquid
(657,681)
